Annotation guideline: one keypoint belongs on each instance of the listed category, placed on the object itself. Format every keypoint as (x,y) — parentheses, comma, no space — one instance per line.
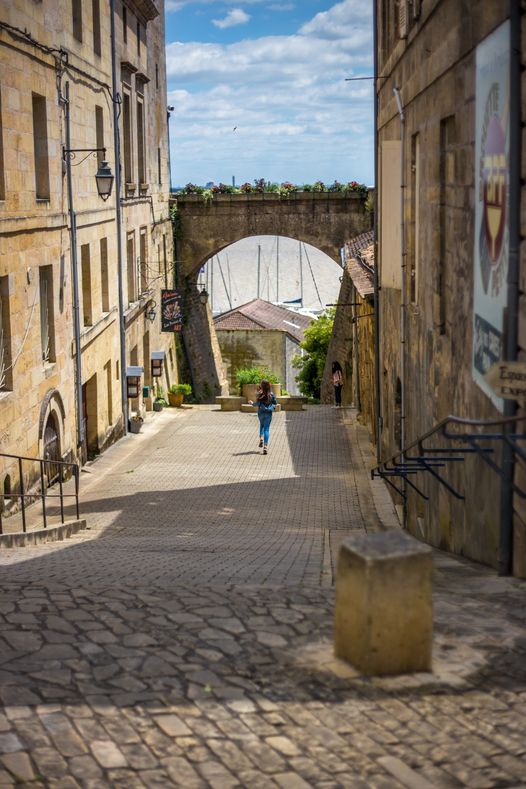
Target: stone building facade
(441,162)
(352,343)
(55,72)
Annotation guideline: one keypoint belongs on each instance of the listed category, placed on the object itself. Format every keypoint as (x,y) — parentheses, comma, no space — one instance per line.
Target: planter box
(135,427)
(157,406)
(175,400)
(249,392)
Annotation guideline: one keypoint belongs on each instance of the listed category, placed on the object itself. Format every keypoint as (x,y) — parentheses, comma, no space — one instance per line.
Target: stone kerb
(230,402)
(51,534)
(383,611)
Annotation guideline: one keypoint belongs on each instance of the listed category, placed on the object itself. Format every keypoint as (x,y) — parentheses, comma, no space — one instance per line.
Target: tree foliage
(312,363)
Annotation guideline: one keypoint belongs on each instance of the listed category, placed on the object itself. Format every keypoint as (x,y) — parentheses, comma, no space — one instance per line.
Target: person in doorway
(265,402)
(337,382)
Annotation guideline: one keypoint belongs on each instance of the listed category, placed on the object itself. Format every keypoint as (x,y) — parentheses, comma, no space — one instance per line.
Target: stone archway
(325,220)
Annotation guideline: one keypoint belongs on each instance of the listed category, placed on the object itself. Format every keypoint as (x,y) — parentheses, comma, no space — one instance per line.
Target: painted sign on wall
(171,311)
(491,242)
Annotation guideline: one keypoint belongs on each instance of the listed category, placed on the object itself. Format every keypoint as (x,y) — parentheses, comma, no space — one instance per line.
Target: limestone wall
(35,223)
(435,68)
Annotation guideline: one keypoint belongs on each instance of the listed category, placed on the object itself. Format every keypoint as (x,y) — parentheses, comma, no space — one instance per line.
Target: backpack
(267,408)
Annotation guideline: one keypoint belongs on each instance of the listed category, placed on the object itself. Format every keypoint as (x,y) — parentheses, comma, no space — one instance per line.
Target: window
(159,165)
(87,307)
(446,203)
(157,76)
(130,262)
(124,23)
(104,275)
(165,262)
(414,225)
(6,378)
(47,318)
(76,8)
(109,391)
(40,147)
(99,132)
(141,158)
(96,26)
(2,176)
(143,263)
(146,359)
(127,137)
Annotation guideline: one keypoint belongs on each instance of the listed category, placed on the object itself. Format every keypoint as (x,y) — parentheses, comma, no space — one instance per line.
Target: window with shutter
(403,18)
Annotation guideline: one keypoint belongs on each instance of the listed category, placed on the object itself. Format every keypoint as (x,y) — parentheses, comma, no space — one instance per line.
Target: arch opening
(278,269)
(51,450)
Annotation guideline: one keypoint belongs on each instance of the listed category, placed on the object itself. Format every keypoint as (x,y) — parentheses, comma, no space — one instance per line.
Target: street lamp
(104,180)
(203,296)
(103,177)
(151,312)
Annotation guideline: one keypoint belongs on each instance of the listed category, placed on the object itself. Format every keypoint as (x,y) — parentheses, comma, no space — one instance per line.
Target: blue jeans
(265,418)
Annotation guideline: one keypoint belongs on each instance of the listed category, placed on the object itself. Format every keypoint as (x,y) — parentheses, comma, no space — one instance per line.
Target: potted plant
(248,378)
(159,402)
(177,392)
(135,422)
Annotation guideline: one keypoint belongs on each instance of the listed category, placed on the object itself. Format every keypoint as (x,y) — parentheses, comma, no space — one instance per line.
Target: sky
(259,90)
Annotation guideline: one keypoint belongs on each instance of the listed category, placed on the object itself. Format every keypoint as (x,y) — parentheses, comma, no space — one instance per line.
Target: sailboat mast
(259,269)
(212,284)
(301,276)
(277,269)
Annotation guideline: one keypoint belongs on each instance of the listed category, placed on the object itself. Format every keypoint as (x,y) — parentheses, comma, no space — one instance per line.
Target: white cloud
(234,17)
(297,119)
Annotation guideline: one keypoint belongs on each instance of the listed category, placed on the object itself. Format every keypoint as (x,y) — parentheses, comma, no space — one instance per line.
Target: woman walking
(265,403)
(337,381)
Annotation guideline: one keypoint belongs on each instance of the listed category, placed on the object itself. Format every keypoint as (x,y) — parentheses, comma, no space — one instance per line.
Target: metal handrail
(43,495)
(429,458)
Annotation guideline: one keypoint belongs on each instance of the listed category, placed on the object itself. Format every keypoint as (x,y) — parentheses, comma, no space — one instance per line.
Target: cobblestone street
(185,638)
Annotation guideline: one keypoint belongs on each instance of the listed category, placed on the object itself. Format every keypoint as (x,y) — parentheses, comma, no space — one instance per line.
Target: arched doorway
(51,450)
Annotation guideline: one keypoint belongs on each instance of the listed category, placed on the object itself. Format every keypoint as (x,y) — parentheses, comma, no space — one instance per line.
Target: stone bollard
(384,610)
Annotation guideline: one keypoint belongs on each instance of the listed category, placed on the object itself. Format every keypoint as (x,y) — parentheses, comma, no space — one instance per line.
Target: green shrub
(184,389)
(253,375)
(315,345)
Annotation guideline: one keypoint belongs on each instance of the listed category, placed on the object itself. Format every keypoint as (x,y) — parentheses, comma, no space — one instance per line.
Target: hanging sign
(491,242)
(171,311)
(508,380)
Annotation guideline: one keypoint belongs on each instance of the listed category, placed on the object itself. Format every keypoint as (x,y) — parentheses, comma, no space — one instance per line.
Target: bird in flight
(235,127)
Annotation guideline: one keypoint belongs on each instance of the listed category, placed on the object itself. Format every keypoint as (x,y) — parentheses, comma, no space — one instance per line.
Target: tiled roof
(359,262)
(259,314)
(358,243)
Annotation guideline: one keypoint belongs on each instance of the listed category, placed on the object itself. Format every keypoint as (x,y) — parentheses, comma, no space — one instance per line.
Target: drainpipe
(74,274)
(377,360)
(358,400)
(118,217)
(505,561)
(403,331)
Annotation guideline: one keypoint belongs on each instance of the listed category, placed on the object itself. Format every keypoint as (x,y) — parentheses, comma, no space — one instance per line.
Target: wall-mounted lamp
(157,363)
(203,296)
(133,381)
(151,312)
(104,178)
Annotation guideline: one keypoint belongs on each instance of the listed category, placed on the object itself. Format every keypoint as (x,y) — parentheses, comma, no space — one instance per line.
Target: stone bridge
(205,227)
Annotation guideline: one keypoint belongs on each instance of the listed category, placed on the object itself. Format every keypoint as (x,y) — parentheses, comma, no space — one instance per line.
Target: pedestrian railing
(465,437)
(26,497)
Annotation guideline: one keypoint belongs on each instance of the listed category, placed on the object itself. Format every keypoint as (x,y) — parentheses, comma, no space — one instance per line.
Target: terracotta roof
(359,262)
(358,243)
(259,314)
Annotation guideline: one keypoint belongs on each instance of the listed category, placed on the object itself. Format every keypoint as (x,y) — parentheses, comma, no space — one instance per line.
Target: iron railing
(474,437)
(42,494)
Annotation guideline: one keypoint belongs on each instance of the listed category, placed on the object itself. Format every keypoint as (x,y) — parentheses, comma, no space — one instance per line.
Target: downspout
(403,331)
(505,560)
(118,217)
(74,275)
(356,365)
(377,360)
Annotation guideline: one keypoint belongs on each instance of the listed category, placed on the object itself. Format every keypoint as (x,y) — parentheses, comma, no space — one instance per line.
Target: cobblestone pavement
(185,640)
